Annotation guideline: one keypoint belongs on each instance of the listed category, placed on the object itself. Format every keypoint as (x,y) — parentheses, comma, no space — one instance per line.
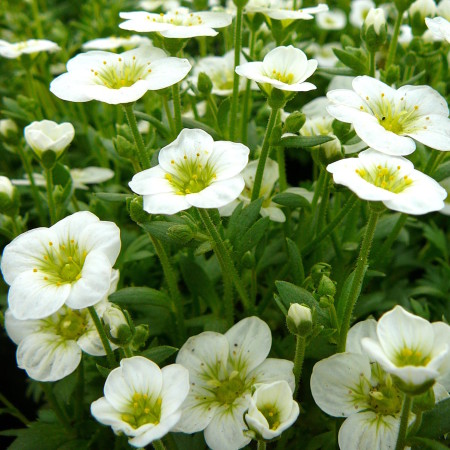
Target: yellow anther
(120,59)
(50,243)
(416,107)
(146,410)
(184,157)
(407,352)
(46,257)
(382,94)
(104,62)
(361,108)
(72,241)
(367,97)
(34,270)
(398,167)
(45,278)
(168,176)
(172,162)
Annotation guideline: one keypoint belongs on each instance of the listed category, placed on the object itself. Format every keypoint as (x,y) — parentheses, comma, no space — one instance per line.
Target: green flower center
(72,324)
(287,78)
(409,357)
(272,415)
(191,176)
(222,80)
(394,117)
(384,399)
(121,74)
(143,410)
(63,264)
(229,390)
(387,178)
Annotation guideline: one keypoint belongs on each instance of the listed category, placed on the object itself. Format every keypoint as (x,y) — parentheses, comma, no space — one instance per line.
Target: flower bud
(8,128)
(46,135)
(136,211)
(299,320)
(204,83)
(9,197)
(374,31)
(392,74)
(117,324)
(417,13)
(277,97)
(294,122)
(124,147)
(326,287)
(183,233)
(319,270)
(424,402)
(141,334)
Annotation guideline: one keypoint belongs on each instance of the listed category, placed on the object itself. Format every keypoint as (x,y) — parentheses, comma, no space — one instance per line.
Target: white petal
(151,181)
(366,328)
(165,203)
(175,388)
(105,413)
(338,383)
(434,132)
(155,432)
(117,391)
(228,159)
(94,283)
(250,341)
(91,343)
(18,330)
(218,194)
(48,357)
(167,72)
(273,369)
(442,339)
(142,375)
(71,226)
(32,297)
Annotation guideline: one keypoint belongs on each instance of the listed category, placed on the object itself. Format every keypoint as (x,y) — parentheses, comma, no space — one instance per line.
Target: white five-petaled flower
(359,10)
(392,180)
(355,386)
(284,68)
(69,263)
(179,23)
(334,19)
(113,42)
(48,135)
(50,349)
(388,120)
(193,171)
(141,400)
(270,177)
(413,350)
(12,51)
(222,371)
(272,410)
(118,78)
(439,27)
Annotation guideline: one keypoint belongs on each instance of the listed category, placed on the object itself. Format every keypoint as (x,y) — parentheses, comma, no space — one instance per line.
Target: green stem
(171,279)
(264,154)
(372,68)
(322,214)
(50,199)
(300,346)
(416,425)
(33,92)
(143,157)
(105,342)
(261,445)
(358,278)
(393,44)
(128,352)
(34,189)
(60,413)
(228,303)
(406,408)
(348,205)
(169,116)
(214,110)
(37,19)
(225,258)
(158,445)
(79,392)
(237,57)
(177,108)
(383,250)
(13,411)
(282,179)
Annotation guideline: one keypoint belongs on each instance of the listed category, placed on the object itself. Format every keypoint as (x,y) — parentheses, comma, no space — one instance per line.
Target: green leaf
(242,219)
(159,354)
(104,371)
(40,436)
(333,71)
(303,141)
(292,200)
(442,172)
(343,297)
(297,270)
(436,423)
(112,197)
(252,236)
(192,123)
(223,113)
(351,60)
(419,443)
(141,296)
(437,237)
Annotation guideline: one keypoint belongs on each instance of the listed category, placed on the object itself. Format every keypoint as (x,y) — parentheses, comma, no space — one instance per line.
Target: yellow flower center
(143,409)
(410,357)
(271,414)
(287,78)
(68,323)
(387,178)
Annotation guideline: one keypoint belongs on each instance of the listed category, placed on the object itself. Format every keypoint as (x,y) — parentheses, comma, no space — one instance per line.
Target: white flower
(112,42)
(6,187)
(443,9)
(48,135)
(414,351)
(439,27)
(151,5)
(287,15)
(141,400)
(359,10)
(424,8)
(392,180)
(406,35)
(270,177)
(272,410)
(193,171)
(324,53)
(222,371)
(12,51)
(284,68)
(220,69)
(118,78)
(50,349)
(8,128)
(80,177)
(69,263)
(335,19)
(178,23)
(388,120)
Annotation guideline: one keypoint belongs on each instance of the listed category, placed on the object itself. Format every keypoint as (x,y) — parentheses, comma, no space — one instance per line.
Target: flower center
(143,410)
(283,77)
(177,18)
(229,390)
(121,74)
(386,178)
(191,175)
(62,265)
(272,416)
(409,357)
(223,80)
(70,324)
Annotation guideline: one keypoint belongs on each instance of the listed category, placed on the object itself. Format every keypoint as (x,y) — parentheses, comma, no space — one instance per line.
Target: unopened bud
(294,122)
(204,83)
(124,147)
(141,334)
(117,325)
(136,211)
(183,233)
(9,197)
(374,31)
(8,128)
(326,287)
(299,320)
(319,270)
